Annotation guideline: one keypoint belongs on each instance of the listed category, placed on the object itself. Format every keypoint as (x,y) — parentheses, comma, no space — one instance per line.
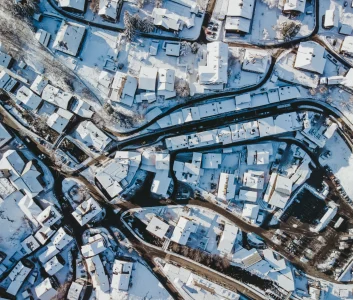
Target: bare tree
(140,3)
(158,3)
(195,47)
(182,88)
(185,251)
(94,6)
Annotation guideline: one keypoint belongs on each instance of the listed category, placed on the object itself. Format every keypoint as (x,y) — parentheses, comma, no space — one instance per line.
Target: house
(183,230)
(255,61)
(82,108)
(74,291)
(18,275)
(43,37)
(27,98)
(24,175)
(112,178)
(227,240)
(245,195)
(54,265)
(77,6)
(157,227)
(216,69)
(109,9)
(5,136)
(250,212)
(69,38)
(100,280)
(173,49)
(39,84)
(237,25)
(259,154)
(47,289)
(243,101)
(165,19)
(161,183)
(123,88)
(61,239)
(226,187)
(346,29)
(49,216)
(131,158)
(310,57)
(44,234)
(254,179)
(30,209)
(347,46)
(56,96)
(5,60)
(278,190)
(239,16)
(166,81)
(30,244)
(7,83)
(92,137)
(211,160)
(147,78)
(121,275)
(96,244)
(190,114)
(86,211)
(59,120)
(294,6)
(331,19)
(189,172)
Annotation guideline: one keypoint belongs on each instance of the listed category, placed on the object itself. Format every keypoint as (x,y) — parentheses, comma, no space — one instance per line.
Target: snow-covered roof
(49,216)
(162,161)
(121,275)
(30,244)
(166,19)
(100,279)
(45,290)
(5,59)
(216,70)
(43,37)
(277,264)
(133,158)
(259,154)
(78,5)
(331,19)
(330,130)
(211,160)
(328,216)
(241,8)
(92,136)
(254,179)
(278,190)
(310,57)
(226,187)
(284,185)
(61,239)
(288,93)
(161,183)
(55,96)
(157,227)
(247,257)
(250,211)
(294,5)
(347,45)
(82,108)
(255,61)
(74,291)
(245,195)
(236,24)
(86,211)
(39,84)
(17,276)
(53,266)
(166,79)
(147,78)
(173,49)
(96,245)
(228,238)
(69,38)
(191,114)
(177,142)
(242,99)
(177,118)
(346,29)
(5,136)
(109,8)
(59,120)
(183,230)
(44,234)
(30,209)
(28,98)
(49,252)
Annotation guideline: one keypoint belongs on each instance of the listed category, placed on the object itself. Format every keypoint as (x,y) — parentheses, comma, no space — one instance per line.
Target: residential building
(74,291)
(347,46)
(27,98)
(250,212)
(77,6)
(47,289)
(5,60)
(227,240)
(30,209)
(131,158)
(82,108)
(18,276)
(61,239)
(121,275)
(56,96)
(166,82)
(327,218)
(43,37)
(254,179)
(183,230)
(331,19)
(245,195)
(216,69)
(100,280)
(247,257)
(110,9)
(92,137)
(161,183)
(59,120)
(255,61)
(39,84)
(44,234)
(189,172)
(7,83)
(54,265)
(310,57)
(49,216)
(86,211)
(226,187)
(69,38)
(239,16)
(147,78)
(211,160)
(259,154)
(157,227)
(30,244)
(278,190)
(165,19)
(5,136)
(296,6)
(96,244)
(162,161)
(123,88)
